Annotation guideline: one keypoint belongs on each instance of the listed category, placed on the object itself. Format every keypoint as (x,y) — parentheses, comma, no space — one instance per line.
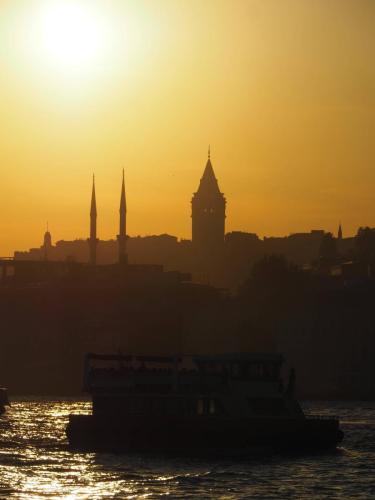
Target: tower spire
(93,241)
(208,182)
(121,238)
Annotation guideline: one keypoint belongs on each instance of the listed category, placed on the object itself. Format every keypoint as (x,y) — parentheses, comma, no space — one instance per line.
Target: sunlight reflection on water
(35,463)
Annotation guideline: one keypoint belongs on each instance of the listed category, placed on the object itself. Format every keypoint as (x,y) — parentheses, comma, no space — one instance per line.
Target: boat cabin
(240,384)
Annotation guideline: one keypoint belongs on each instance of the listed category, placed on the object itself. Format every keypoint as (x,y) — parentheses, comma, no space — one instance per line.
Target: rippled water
(35,463)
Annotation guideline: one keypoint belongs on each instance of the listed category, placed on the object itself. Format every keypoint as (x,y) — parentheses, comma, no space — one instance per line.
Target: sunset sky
(283,90)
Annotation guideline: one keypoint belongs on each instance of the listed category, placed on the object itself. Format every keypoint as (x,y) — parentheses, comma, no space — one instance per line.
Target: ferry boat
(4,401)
(230,403)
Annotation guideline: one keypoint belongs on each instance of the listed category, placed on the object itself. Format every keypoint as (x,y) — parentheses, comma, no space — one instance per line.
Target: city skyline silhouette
(208,186)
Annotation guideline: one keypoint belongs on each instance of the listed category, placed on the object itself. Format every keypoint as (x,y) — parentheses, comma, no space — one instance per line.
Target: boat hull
(195,436)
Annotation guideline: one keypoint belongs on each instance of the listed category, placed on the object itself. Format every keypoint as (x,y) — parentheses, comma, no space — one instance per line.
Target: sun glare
(71,34)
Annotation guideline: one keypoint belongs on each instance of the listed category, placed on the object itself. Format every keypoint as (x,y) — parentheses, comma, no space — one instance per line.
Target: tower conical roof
(208,183)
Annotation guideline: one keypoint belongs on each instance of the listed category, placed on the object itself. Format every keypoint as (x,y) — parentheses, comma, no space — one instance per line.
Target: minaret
(208,212)
(339,232)
(93,241)
(47,243)
(121,237)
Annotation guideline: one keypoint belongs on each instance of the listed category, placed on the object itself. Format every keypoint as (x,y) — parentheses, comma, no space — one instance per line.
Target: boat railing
(321,417)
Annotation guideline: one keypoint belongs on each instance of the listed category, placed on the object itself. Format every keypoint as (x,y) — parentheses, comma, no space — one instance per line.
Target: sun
(71,34)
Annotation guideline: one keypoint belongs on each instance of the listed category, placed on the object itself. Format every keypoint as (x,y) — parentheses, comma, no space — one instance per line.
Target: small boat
(4,401)
(230,404)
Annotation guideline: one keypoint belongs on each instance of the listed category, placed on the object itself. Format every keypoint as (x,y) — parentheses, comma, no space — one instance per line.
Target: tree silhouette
(273,277)
(365,245)
(328,249)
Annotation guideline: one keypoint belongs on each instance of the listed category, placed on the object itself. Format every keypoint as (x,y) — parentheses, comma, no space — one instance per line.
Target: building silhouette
(208,213)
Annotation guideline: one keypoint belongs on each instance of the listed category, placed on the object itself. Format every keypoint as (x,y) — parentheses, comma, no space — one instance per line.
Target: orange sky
(284,90)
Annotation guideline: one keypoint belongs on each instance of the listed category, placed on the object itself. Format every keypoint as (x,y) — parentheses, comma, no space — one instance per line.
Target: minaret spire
(209,151)
(121,238)
(339,232)
(93,241)
(93,197)
(47,243)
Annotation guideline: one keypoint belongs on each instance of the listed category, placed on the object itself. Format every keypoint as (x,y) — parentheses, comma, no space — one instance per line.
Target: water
(35,463)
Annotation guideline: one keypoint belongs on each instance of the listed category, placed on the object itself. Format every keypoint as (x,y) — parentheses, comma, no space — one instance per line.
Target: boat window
(267,371)
(211,407)
(256,371)
(189,406)
(200,406)
(248,371)
(213,368)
